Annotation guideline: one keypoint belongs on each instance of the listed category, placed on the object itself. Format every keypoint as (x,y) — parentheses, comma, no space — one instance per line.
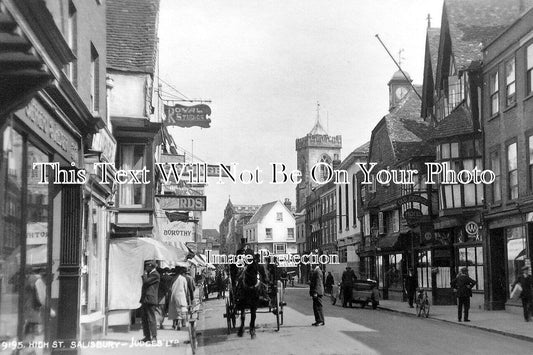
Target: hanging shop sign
(188,116)
(182,203)
(177,232)
(412,215)
(412,198)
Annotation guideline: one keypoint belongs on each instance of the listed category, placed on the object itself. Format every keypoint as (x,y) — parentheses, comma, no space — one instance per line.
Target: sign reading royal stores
(182,203)
(188,116)
(177,232)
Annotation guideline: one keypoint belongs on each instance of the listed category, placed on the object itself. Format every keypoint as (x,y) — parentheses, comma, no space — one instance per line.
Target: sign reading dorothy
(177,232)
(188,116)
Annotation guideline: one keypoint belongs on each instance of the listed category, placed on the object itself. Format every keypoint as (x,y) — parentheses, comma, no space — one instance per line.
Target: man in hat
(525,280)
(316,290)
(462,285)
(348,280)
(149,300)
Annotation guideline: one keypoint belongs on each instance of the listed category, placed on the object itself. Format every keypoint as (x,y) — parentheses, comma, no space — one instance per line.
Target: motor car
(364,292)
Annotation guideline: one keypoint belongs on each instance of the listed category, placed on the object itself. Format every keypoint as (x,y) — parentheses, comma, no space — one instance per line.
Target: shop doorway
(497,276)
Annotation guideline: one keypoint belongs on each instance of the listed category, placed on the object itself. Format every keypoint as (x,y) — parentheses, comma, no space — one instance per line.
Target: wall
(127,96)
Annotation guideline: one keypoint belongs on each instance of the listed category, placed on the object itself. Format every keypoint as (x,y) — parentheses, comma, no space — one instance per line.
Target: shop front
(508,245)
(39,222)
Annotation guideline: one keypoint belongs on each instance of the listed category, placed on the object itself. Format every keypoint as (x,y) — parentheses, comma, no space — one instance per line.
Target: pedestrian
(149,300)
(164,286)
(177,310)
(190,286)
(330,281)
(316,290)
(34,300)
(526,282)
(348,280)
(411,284)
(462,285)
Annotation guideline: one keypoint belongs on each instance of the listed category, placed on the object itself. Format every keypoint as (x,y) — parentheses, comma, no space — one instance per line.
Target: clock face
(400,92)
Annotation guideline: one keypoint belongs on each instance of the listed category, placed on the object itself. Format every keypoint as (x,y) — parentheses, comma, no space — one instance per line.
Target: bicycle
(422,304)
(194,315)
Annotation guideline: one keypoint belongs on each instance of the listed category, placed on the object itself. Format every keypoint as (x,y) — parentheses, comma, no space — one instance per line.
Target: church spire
(317,128)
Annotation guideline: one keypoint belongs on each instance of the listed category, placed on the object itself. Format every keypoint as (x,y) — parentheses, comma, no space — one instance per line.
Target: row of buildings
(473,109)
(78,88)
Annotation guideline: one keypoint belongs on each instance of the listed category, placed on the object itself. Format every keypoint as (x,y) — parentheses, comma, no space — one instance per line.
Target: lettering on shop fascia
(47,127)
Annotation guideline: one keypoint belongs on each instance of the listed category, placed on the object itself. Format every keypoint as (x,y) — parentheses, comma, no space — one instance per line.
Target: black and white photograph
(329,177)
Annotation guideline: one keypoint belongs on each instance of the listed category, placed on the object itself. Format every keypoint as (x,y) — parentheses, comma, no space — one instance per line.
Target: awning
(126,266)
(389,241)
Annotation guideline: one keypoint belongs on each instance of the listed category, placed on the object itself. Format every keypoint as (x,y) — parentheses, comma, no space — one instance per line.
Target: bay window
(133,157)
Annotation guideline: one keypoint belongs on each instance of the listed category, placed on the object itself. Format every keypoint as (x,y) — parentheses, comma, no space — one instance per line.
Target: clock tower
(399,86)
(317,146)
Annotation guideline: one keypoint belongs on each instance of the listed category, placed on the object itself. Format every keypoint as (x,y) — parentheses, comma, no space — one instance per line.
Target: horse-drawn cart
(272,303)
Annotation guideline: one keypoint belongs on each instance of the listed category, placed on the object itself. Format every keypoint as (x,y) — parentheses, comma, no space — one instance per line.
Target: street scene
(295,177)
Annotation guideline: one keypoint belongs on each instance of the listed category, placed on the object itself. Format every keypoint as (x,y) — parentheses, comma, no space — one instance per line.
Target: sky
(264,65)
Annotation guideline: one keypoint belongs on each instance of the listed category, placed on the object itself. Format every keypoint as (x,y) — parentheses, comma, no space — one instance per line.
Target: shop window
(394,275)
(529,69)
(512,171)
(510,90)
(10,231)
(472,258)
(28,281)
(132,158)
(424,269)
(380,271)
(516,253)
(496,185)
(494,94)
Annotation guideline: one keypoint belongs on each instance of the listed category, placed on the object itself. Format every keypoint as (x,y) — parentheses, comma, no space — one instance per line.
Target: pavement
(501,322)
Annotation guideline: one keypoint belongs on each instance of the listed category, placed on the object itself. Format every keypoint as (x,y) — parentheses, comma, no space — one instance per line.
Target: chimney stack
(287,203)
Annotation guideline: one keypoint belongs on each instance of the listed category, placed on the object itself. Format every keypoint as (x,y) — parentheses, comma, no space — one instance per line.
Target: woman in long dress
(179,300)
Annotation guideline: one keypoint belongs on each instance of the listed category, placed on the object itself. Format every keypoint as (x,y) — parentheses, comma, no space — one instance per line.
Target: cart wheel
(333,299)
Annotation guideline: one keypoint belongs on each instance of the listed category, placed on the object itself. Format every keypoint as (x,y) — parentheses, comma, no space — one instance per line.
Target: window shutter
(380,222)
(396,221)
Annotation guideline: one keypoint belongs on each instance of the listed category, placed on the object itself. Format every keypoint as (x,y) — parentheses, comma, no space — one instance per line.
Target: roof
(475,22)
(433,38)
(318,129)
(398,76)
(211,234)
(262,212)
(408,132)
(132,35)
(246,209)
(359,152)
(459,121)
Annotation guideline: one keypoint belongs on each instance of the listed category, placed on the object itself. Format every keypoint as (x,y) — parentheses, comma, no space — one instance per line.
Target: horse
(247,289)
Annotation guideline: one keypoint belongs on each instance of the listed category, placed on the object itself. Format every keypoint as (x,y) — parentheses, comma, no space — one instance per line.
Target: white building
(272,228)
(349,228)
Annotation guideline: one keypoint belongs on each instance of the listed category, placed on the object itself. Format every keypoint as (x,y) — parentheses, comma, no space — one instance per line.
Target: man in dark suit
(348,280)
(411,284)
(149,300)
(316,290)
(463,285)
